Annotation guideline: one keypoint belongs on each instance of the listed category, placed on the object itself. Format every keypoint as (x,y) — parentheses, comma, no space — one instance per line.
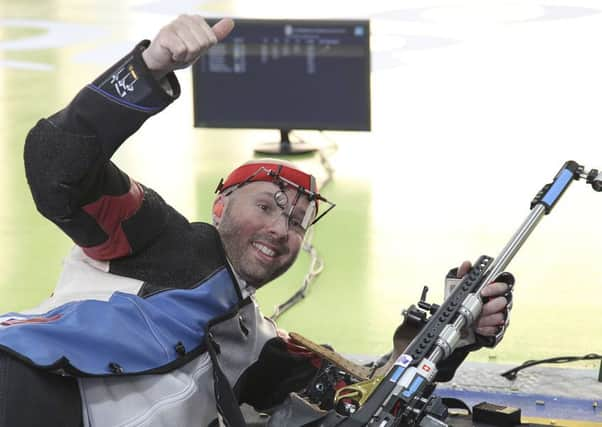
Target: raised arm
(67,156)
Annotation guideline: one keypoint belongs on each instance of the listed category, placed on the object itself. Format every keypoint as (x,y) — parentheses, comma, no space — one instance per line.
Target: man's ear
(218,209)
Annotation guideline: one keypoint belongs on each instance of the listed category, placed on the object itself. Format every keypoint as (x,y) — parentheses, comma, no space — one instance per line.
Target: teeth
(264,249)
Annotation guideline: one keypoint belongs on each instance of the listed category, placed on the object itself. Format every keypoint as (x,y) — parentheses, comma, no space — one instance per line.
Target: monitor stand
(284,147)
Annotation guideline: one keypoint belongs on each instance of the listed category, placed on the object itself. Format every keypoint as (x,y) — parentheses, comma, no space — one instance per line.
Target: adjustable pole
(541,205)
(403,394)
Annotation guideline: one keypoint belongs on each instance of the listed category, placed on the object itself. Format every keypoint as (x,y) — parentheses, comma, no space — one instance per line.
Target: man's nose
(279,226)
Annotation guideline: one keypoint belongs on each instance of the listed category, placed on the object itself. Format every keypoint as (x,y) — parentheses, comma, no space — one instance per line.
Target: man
(153,322)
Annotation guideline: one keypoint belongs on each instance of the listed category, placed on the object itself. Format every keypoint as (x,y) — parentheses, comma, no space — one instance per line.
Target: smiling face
(260,239)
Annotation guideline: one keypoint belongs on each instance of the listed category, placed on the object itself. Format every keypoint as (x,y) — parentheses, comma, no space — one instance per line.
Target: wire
(333,144)
(511,373)
(316,264)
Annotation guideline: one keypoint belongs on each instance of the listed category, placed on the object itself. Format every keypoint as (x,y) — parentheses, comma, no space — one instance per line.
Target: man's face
(260,241)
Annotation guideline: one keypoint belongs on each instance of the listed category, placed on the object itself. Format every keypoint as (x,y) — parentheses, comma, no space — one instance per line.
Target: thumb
(463,269)
(222,28)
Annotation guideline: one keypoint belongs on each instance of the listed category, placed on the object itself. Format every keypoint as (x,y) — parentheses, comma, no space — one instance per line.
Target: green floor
(464,135)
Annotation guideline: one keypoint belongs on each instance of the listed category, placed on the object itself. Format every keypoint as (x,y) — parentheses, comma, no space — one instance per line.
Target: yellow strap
(357,371)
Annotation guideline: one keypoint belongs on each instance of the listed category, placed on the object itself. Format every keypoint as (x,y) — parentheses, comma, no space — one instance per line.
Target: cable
(316,264)
(511,373)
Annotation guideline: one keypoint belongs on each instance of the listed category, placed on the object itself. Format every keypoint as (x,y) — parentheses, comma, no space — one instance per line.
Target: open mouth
(265,250)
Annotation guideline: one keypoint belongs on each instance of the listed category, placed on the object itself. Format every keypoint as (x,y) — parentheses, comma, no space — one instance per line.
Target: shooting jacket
(147,303)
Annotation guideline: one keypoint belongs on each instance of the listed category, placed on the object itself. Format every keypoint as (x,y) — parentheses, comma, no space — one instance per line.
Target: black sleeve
(68,167)
(277,373)
(447,368)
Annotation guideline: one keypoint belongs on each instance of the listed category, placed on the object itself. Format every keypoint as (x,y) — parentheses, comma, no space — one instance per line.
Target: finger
(496,319)
(463,269)
(494,289)
(202,32)
(495,305)
(194,43)
(222,28)
(488,331)
(205,31)
(173,44)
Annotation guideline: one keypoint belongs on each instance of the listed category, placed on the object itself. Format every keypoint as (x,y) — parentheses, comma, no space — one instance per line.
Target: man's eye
(295,222)
(263,207)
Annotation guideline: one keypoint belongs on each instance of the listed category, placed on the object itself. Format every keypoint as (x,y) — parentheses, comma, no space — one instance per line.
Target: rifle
(404,396)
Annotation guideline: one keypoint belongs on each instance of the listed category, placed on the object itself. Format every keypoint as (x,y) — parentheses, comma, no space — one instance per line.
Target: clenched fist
(181,42)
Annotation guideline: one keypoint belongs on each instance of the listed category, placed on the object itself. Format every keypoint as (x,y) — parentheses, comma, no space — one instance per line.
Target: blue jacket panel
(137,334)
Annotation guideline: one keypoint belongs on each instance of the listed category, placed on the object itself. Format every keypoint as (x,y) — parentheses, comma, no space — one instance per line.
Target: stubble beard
(242,257)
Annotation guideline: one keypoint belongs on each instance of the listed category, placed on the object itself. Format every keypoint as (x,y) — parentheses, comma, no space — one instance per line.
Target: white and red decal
(427,369)
(19,320)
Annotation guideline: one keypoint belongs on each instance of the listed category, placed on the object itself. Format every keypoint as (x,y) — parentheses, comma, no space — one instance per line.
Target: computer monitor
(286,74)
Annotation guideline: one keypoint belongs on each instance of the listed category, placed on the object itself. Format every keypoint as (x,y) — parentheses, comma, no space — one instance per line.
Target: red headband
(242,174)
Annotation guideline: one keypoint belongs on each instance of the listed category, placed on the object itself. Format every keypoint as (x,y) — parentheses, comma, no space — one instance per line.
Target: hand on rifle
(494,316)
(497,296)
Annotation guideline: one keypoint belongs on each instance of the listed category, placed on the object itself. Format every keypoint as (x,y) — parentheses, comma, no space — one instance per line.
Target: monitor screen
(286,74)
